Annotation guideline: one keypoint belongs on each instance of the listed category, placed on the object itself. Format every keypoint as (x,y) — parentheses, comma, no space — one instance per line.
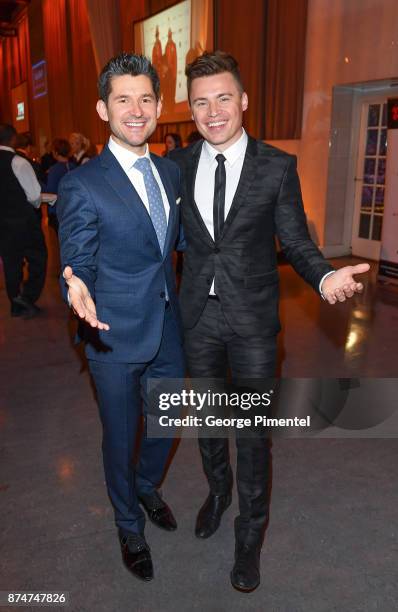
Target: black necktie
(219,197)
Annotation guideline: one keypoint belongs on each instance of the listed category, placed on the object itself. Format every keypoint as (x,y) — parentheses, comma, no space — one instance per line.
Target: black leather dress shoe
(209,517)
(137,556)
(158,511)
(23,307)
(17,310)
(245,575)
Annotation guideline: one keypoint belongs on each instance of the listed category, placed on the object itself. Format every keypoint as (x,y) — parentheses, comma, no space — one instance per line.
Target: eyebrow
(220,95)
(144,95)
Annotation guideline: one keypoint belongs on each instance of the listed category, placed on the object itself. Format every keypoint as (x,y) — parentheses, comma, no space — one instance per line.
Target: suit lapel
(124,189)
(165,178)
(245,181)
(191,170)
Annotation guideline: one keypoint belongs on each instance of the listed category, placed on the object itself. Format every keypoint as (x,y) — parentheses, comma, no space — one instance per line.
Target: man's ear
(102,110)
(158,108)
(244,101)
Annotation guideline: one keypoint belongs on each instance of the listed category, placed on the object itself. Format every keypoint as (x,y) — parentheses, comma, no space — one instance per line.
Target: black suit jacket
(267,203)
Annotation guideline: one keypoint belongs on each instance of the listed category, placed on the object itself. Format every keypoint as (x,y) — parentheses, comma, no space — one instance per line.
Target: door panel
(370,179)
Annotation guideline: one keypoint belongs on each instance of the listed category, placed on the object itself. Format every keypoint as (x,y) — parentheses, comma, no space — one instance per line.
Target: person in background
(193,136)
(21,236)
(47,159)
(79,145)
(91,152)
(61,150)
(24,147)
(171,141)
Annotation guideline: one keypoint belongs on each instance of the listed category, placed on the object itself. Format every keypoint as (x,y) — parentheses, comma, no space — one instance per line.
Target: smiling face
(217,106)
(131,110)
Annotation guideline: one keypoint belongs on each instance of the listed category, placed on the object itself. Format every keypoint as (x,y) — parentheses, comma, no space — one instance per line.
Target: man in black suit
(238,193)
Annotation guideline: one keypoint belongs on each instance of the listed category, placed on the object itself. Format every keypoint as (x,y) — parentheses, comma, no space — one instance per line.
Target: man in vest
(21,236)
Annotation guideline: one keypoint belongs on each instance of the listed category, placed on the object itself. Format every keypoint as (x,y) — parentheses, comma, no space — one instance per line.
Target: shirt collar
(4,148)
(125,157)
(231,154)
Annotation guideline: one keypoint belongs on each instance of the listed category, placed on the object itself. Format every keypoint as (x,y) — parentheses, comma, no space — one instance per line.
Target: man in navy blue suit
(119,224)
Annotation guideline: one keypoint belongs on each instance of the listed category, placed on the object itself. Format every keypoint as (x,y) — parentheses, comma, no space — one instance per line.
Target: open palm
(342,285)
(81,300)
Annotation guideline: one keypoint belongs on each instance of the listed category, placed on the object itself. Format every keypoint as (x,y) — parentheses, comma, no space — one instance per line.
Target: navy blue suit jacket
(107,237)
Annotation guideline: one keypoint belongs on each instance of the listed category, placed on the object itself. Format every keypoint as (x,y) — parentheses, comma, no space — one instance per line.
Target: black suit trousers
(24,240)
(211,348)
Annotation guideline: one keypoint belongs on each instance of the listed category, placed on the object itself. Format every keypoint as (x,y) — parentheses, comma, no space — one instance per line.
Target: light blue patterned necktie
(156,206)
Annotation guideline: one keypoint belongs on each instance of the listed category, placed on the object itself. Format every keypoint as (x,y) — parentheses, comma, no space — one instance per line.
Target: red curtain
(23,50)
(284,71)
(240,31)
(130,12)
(58,67)
(104,20)
(5,82)
(84,76)
(14,66)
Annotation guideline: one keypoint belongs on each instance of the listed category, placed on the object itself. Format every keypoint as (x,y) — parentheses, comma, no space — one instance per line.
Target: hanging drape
(5,81)
(14,66)
(241,32)
(105,27)
(58,67)
(284,69)
(83,75)
(130,12)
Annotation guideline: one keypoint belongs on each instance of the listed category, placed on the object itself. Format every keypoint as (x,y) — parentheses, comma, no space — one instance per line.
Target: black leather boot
(245,575)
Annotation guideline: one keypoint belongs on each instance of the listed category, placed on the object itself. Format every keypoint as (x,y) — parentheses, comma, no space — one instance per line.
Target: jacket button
(162,294)
(216,250)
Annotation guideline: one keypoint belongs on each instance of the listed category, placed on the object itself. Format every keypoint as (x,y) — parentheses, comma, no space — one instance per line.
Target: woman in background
(61,150)
(171,141)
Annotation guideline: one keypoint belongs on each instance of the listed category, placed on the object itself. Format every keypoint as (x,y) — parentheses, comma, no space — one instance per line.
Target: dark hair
(61,147)
(7,133)
(193,136)
(126,63)
(176,137)
(208,64)
(23,140)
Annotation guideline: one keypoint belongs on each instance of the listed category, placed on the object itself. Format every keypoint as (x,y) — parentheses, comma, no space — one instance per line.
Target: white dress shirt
(25,176)
(204,183)
(127,160)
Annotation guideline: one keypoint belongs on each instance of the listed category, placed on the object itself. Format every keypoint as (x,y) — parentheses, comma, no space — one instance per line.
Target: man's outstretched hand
(342,285)
(81,300)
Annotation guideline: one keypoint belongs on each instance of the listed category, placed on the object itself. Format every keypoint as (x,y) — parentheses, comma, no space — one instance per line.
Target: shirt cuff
(36,203)
(321,282)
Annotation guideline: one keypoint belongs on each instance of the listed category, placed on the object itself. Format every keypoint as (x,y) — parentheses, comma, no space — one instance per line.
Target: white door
(370,179)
